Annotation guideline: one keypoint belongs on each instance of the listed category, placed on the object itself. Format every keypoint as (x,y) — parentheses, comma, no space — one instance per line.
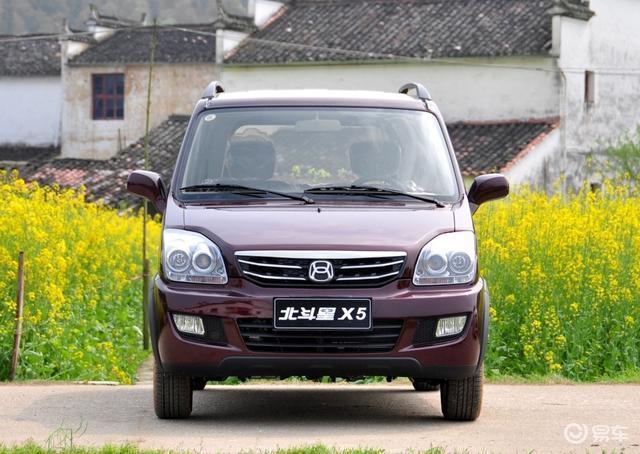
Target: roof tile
(30,55)
(313,30)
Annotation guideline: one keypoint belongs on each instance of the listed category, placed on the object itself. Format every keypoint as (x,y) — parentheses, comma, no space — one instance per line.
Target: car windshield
(325,152)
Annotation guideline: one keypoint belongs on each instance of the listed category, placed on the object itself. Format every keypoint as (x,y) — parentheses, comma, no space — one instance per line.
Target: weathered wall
(534,169)
(471,89)
(30,110)
(175,89)
(609,45)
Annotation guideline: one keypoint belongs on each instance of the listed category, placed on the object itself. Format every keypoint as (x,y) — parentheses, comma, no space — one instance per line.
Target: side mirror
(486,188)
(150,186)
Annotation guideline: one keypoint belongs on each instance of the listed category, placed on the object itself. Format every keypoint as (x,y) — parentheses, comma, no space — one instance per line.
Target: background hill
(45,16)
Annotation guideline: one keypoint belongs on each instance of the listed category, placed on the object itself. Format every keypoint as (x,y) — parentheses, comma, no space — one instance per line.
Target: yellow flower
(528,350)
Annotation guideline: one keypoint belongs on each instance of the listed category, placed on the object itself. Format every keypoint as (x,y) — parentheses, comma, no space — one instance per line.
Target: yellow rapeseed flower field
(563,272)
(564,276)
(82,316)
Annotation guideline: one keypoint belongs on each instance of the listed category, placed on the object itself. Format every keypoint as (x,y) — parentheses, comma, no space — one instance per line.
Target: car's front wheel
(461,398)
(172,395)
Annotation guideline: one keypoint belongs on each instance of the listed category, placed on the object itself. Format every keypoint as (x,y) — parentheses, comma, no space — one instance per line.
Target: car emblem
(321,271)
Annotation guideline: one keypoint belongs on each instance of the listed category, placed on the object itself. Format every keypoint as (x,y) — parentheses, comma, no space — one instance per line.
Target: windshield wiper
(240,189)
(363,190)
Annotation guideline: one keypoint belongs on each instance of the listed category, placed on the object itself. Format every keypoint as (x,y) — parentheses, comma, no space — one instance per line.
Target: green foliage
(563,272)
(82,305)
(623,159)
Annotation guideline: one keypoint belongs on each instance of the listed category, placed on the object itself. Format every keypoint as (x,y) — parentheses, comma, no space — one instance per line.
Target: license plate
(317,313)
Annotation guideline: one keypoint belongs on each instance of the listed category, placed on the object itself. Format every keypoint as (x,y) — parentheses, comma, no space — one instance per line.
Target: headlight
(447,259)
(191,257)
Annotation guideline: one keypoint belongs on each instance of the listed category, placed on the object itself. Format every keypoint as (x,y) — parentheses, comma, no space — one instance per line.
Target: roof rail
(421,91)
(212,90)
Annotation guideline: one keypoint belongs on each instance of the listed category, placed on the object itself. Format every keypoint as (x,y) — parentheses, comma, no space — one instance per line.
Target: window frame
(589,88)
(114,97)
(208,198)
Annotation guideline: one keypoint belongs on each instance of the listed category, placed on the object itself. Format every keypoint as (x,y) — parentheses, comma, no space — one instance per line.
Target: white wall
(535,167)
(265,9)
(175,90)
(473,89)
(609,45)
(30,110)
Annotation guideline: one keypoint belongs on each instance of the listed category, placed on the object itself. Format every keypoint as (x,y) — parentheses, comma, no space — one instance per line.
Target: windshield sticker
(210,117)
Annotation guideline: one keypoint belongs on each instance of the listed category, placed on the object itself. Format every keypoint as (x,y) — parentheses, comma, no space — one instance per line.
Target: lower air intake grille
(260,336)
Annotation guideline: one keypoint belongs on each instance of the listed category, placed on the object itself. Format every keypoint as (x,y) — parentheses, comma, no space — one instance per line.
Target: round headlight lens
(436,263)
(460,263)
(179,260)
(202,261)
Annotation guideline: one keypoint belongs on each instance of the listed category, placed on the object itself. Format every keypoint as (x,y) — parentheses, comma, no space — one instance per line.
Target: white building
(527,87)
(30,96)
(572,63)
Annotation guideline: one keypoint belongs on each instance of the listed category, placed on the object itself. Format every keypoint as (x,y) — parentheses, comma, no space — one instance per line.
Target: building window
(589,88)
(108,96)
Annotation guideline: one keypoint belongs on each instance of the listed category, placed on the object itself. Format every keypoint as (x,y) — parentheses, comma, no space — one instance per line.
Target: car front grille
(294,268)
(259,335)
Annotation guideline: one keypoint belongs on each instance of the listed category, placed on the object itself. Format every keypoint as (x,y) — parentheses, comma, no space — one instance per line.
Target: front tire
(461,398)
(172,395)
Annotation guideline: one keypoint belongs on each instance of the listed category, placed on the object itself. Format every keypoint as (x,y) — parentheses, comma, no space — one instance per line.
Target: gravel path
(515,418)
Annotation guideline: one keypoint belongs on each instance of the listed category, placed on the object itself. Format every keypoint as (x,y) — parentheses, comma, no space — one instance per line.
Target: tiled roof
(22,157)
(164,143)
(29,55)
(70,172)
(175,44)
(131,42)
(311,30)
(107,179)
(490,147)
(480,148)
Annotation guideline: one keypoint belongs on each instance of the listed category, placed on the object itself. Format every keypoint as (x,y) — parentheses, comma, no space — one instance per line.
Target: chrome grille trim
(270,265)
(368,278)
(322,255)
(377,265)
(282,278)
(293,268)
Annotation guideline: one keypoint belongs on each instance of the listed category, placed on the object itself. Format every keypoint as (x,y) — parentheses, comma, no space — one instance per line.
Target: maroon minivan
(318,233)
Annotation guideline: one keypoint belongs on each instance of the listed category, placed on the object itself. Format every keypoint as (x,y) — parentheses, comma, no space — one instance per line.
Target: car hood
(403,228)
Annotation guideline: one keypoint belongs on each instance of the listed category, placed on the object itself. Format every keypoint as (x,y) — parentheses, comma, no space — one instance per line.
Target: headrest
(374,159)
(251,159)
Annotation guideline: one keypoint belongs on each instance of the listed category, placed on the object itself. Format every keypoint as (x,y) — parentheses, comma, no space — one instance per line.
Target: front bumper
(455,358)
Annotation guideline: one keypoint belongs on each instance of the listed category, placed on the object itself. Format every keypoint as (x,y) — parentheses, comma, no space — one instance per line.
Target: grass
(33,448)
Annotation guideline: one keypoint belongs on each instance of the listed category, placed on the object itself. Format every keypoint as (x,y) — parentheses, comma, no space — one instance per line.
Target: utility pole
(145,207)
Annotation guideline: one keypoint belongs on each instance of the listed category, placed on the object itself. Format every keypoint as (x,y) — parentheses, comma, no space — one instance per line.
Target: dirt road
(544,418)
